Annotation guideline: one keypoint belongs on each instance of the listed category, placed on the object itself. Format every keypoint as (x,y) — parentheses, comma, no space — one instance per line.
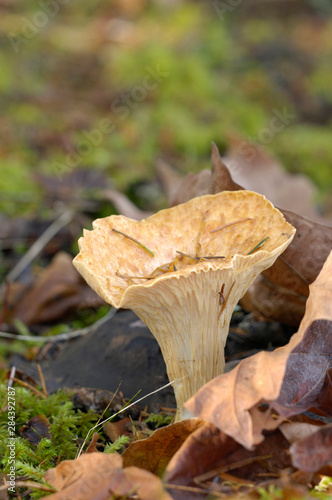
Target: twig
(29,484)
(211,257)
(169,410)
(30,387)
(232,466)
(135,241)
(191,489)
(42,380)
(230,224)
(62,336)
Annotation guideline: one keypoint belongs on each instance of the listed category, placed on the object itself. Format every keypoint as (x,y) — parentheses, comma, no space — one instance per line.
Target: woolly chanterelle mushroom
(182,271)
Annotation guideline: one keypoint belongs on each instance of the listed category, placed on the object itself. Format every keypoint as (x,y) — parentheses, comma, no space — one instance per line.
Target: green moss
(66,427)
(159,420)
(118,444)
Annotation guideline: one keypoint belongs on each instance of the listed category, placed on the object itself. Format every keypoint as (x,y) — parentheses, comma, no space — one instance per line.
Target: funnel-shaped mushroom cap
(186,300)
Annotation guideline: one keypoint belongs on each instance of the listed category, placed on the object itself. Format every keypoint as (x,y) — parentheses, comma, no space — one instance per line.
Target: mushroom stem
(191,324)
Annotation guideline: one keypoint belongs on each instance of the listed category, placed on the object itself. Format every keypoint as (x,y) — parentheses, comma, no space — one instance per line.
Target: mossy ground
(213,72)
(67,426)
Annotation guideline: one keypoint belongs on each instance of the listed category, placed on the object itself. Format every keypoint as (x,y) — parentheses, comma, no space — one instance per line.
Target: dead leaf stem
(42,380)
(232,466)
(210,257)
(30,387)
(30,484)
(62,336)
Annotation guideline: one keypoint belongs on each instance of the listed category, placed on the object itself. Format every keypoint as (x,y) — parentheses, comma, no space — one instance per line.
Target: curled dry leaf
(94,467)
(92,446)
(210,455)
(192,185)
(116,429)
(98,476)
(271,302)
(200,453)
(290,378)
(294,430)
(147,486)
(307,374)
(254,168)
(283,292)
(314,451)
(154,453)
(35,429)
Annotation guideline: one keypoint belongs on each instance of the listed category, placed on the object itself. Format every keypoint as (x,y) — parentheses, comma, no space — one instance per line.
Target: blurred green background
(116,85)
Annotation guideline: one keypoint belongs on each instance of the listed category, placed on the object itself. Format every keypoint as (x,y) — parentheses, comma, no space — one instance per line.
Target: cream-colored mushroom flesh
(186,300)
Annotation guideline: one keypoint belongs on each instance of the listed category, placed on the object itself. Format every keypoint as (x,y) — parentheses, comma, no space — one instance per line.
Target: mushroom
(182,271)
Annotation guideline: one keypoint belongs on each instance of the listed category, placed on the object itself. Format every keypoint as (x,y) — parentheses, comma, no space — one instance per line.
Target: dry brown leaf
(307,372)
(208,453)
(148,486)
(116,429)
(97,476)
(191,186)
(59,290)
(271,302)
(36,429)
(201,452)
(314,451)
(252,167)
(221,179)
(306,255)
(92,446)
(294,431)
(154,453)
(94,468)
(291,378)
(294,270)
(300,264)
